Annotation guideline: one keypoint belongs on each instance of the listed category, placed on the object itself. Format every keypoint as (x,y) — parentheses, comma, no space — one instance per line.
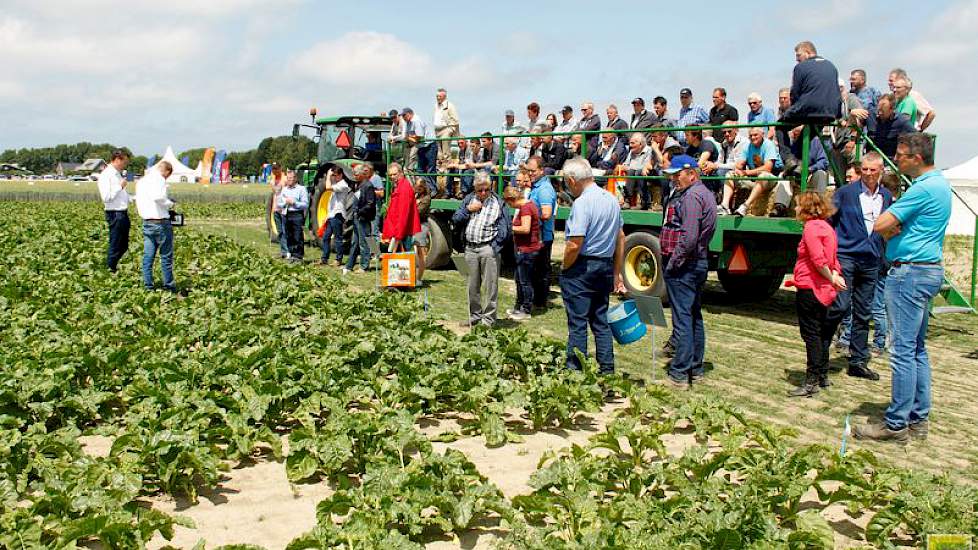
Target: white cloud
(823,17)
(356,58)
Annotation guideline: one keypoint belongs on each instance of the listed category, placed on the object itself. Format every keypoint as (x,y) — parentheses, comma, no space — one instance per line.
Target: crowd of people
(862,256)
(764,161)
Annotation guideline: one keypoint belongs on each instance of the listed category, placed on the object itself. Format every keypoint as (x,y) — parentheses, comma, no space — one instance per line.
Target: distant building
(90,166)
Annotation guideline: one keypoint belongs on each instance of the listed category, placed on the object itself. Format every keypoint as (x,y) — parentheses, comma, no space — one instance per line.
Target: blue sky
(226,73)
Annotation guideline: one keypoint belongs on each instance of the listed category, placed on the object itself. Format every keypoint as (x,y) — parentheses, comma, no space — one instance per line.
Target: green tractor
(343,142)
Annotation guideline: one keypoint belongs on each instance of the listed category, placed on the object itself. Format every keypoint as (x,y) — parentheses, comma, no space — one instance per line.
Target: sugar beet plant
(259,351)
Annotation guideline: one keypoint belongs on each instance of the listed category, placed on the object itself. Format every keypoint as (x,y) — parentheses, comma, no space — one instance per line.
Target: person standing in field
(526,238)
(336,215)
(487,226)
(542,194)
(422,196)
(153,205)
(688,225)
(115,201)
(914,227)
(401,223)
(817,278)
(293,201)
(277,181)
(593,257)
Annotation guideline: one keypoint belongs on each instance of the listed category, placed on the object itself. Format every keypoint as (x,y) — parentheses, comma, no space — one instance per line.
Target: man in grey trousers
(487,226)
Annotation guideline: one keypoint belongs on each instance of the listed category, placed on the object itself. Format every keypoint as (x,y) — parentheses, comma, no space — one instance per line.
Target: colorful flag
(206,164)
(226,171)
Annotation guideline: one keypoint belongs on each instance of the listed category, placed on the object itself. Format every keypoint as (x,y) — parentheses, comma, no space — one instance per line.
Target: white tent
(181,173)
(964,180)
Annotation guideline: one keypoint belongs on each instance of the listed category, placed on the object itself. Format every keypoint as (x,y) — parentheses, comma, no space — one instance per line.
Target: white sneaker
(723,210)
(741,210)
(519,316)
(345,271)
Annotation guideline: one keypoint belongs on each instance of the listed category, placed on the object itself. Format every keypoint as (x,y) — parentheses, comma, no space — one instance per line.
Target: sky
(227,73)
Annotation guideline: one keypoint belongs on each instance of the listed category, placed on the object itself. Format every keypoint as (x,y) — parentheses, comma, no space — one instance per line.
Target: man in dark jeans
(858,206)
(688,225)
(364,212)
(294,201)
(542,193)
(115,200)
(593,257)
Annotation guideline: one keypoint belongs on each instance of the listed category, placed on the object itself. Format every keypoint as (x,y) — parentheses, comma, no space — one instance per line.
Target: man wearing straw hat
(593,257)
(688,225)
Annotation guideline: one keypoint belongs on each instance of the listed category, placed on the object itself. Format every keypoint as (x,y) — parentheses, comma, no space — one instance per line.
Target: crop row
(259,351)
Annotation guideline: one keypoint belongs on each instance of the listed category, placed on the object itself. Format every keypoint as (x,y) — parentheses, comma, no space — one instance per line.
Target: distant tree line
(283,149)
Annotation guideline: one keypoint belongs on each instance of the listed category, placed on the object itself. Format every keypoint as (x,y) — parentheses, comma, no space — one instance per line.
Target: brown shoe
(676,384)
(918,430)
(880,432)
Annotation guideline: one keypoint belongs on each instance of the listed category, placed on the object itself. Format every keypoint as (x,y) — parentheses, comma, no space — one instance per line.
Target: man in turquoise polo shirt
(914,227)
(543,194)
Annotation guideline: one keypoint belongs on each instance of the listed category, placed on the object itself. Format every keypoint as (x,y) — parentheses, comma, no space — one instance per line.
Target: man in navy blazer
(861,252)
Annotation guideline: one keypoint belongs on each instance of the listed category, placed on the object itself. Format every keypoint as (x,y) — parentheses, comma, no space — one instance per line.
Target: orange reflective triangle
(343,140)
(738,262)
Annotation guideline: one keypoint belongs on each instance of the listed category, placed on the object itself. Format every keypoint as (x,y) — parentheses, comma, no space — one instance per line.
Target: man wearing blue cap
(688,225)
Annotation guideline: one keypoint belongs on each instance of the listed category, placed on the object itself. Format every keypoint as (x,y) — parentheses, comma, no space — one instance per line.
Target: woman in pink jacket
(817,277)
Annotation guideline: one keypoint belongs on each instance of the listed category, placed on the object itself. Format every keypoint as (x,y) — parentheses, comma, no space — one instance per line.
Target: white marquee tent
(181,173)
(964,180)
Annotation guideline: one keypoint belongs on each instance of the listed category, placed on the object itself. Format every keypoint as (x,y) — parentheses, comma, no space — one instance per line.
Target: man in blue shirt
(759,113)
(294,201)
(592,264)
(914,227)
(868,95)
(759,160)
(690,114)
(543,194)
(860,252)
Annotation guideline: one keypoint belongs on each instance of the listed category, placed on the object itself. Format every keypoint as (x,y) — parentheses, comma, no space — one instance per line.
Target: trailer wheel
(318,210)
(751,287)
(643,267)
(270,219)
(439,244)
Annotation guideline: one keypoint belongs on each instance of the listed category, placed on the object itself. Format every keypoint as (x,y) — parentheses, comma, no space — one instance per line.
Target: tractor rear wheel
(318,211)
(270,219)
(439,244)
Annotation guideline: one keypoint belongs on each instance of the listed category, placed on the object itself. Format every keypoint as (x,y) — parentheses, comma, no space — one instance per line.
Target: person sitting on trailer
(815,97)
(818,162)
(639,154)
(760,160)
(706,152)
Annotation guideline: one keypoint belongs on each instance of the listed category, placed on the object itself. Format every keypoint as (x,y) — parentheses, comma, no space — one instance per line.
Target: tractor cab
(349,137)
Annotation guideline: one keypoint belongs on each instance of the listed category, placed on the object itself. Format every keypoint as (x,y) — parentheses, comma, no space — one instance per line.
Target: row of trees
(283,149)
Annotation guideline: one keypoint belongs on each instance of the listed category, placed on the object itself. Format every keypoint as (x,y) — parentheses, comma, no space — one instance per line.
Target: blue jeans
(465,178)
(524,280)
(585,288)
(879,316)
(909,290)
(283,243)
(333,238)
(360,246)
(685,289)
(427,164)
(860,275)
(158,237)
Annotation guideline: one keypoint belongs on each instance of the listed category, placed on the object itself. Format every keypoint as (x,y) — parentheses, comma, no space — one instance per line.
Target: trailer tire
(439,244)
(753,287)
(642,269)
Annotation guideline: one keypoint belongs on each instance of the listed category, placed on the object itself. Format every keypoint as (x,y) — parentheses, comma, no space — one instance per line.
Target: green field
(123,410)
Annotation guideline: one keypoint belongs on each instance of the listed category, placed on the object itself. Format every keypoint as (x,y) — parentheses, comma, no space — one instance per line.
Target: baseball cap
(686,91)
(681,162)
(638,100)
(393,112)
(567,109)
(509,112)
(407,110)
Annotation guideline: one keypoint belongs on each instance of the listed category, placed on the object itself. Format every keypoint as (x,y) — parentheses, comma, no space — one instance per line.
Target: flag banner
(206,164)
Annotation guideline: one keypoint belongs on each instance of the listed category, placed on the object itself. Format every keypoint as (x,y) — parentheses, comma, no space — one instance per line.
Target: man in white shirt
(338,212)
(566,124)
(446,125)
(153,206)
(115,200)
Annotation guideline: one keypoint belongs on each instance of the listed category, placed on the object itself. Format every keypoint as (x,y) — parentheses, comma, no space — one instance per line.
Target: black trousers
(293,233)
(118,221)
(541,275)
(817,324)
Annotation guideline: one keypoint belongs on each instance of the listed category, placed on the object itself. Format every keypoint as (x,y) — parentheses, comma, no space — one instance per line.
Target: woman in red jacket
(401,222)
(817,277)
